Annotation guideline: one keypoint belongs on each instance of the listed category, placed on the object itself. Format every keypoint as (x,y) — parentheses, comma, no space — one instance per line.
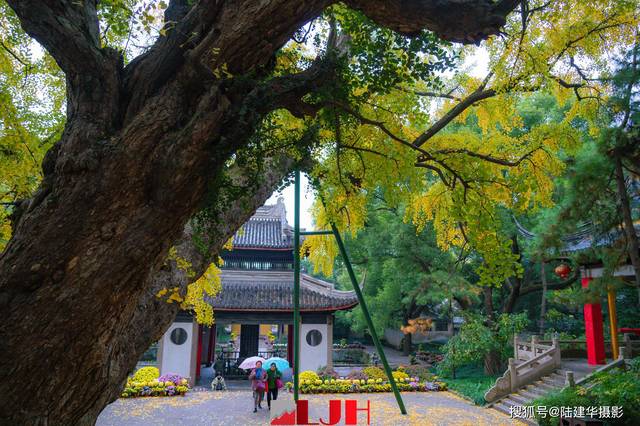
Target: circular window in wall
(178,336)
(314,338)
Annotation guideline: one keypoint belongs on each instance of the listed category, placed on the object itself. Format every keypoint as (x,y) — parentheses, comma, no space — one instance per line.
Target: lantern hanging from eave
(562,270)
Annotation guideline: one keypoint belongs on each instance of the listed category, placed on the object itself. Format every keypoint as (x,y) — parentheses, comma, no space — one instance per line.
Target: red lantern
(563,270)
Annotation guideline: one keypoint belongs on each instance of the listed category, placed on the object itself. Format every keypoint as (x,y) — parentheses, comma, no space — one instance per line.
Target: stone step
(503,408)
(542,385)
(555,382)
(560,377)
(540,390)
(520,399)
(529,395)
(511,400)
(535,390)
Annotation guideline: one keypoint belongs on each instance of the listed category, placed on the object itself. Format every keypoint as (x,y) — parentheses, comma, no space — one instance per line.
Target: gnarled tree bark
(144,146)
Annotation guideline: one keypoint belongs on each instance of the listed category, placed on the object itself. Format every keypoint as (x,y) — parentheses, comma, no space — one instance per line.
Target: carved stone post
(625,352)
(627,345)
(570,380)
(513,374)
(557,360)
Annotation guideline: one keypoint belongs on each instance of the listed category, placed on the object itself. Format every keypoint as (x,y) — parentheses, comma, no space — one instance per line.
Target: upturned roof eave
(324,309)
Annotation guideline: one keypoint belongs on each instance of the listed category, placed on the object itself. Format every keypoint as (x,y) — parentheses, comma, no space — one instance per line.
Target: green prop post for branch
(365,311)
(296,287)
(316,233)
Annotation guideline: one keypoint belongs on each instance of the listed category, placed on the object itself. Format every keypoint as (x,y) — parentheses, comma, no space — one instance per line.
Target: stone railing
(577,348)
(501,387)
(532,360)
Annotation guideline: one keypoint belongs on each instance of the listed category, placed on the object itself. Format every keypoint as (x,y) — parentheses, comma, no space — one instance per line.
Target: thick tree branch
(148,72)
(516,284)
(489,158)
(464,21)
(474,97)
(197,41)
(532,288)
(447,95)
(12,53)
(67,29)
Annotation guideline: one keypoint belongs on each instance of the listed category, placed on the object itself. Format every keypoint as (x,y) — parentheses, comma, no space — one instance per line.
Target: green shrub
(621,388)
(565,398)
(374,373)
(634,365)
(476,339)
(610,388)
(146,374)
(471,382)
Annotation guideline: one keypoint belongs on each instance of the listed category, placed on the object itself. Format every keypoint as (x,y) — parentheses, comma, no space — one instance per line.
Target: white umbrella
(251,362)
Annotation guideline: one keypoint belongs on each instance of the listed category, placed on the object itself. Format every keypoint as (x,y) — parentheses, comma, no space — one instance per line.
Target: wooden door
(249,334)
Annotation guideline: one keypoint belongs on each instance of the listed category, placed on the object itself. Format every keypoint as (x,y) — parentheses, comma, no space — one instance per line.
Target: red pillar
(199,354)
(290,344)
(593,329)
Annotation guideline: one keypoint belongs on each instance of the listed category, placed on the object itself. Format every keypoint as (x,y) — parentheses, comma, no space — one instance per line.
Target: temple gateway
(256,306)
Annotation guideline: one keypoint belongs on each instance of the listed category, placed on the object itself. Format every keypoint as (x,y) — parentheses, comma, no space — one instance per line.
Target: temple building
(592,268)
(585,241)
(256,306)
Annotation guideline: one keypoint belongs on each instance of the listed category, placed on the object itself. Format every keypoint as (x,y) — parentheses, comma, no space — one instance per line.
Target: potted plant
(232,340)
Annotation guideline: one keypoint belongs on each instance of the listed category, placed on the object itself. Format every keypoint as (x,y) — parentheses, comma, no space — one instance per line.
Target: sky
(477,65)
(306,201)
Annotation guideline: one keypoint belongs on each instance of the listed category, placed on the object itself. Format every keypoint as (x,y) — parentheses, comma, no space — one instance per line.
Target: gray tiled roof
(267,228)
(607,239)
(273,291)
(262,233)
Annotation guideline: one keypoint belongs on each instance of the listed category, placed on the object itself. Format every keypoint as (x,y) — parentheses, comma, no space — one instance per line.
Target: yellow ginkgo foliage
(208,284)
(462,156)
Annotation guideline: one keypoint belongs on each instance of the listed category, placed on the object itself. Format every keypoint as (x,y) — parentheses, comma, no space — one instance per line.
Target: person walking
(258,377)
(274,382)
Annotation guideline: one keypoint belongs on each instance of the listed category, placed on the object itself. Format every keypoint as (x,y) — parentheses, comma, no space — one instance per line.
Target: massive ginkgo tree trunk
(143,147)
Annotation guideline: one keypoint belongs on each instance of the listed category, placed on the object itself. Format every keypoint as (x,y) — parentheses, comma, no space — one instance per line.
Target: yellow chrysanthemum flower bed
(311,383)
(147,382)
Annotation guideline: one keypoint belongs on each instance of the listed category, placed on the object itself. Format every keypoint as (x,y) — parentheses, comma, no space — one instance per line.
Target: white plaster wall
(177,358)
(313,357)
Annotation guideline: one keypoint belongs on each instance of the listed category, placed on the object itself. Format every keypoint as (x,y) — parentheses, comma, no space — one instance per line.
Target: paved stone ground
(394,357)
(235,408)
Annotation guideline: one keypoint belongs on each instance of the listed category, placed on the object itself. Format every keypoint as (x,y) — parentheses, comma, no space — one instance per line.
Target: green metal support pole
(365,311)
(296,286)
(316,232)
